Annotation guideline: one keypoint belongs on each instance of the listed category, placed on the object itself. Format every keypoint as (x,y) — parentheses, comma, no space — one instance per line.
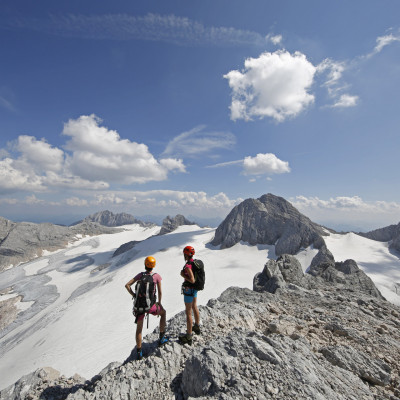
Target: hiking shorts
(189,294)
(154,310)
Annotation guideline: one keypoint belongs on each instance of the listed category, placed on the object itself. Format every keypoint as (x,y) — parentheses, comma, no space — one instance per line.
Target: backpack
(145,294)
(199,275)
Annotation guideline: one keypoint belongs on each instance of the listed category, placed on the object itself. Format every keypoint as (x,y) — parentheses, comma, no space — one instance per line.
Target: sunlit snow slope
(85,321)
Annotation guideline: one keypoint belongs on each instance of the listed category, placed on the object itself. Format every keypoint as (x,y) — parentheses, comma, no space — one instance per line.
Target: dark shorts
(189,294)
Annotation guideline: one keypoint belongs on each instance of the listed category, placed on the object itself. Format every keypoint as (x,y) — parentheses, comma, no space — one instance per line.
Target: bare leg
(189,320)
(139,328)
(163,315)
(196,311)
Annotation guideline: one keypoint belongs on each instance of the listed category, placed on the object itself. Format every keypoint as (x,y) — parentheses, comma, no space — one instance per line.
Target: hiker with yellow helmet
(148,284)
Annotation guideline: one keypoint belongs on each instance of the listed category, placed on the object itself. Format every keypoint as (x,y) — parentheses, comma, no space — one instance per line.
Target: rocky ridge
(390,233)
(23,241)
(170,224)
(269,220)
(329,341)
(108,218)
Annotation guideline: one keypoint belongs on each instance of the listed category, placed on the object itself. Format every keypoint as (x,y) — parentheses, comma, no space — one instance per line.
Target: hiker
(144,305)
(190,297)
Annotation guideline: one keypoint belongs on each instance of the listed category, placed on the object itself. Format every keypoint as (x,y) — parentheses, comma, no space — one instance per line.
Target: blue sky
(165,107)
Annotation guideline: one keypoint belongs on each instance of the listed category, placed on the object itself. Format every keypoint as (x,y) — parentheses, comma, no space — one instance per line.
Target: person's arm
(128,287)
(159,292)
(189,277)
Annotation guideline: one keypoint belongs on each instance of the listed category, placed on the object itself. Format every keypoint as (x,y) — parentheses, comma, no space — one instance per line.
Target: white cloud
(76,202)
(100,154)
(13,179)
(198,141)
(346,100)
(97,157)
(172,164)
(382,42)
(167,199)
(265,164)
(38,154)
(334,71)
(275,39)
(273,85)
(349,210)
(33,200)
(261,164)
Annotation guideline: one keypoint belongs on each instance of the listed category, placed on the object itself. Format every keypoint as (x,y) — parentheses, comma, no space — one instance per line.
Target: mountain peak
(269,220)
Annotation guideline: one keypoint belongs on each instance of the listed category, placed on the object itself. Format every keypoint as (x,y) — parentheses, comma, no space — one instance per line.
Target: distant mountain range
(268,220)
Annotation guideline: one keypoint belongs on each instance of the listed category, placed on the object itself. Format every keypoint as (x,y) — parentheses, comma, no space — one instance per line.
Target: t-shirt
(156,278)
(187,266)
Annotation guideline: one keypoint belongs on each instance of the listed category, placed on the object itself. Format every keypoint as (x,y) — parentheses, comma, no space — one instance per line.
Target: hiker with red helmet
(145,301)
(190,297)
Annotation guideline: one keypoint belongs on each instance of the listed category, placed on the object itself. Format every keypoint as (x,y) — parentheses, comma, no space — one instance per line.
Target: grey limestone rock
(108,218)
(170,224)
(23,241)
(269,220)
(295,344)
(286,270)
(390,233)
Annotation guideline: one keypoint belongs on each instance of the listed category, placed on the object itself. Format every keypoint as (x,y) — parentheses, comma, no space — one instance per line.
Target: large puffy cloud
(198,141)
(14,179)
(99,153)
(40,155)
(273,85)
(97,157)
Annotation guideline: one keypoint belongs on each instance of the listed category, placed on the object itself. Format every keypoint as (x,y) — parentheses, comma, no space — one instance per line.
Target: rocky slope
(23,241)
(107,218)
(269,220)
(314,337)
(390,233)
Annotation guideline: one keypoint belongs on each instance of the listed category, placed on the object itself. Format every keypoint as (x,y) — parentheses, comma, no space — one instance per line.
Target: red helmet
(189,251)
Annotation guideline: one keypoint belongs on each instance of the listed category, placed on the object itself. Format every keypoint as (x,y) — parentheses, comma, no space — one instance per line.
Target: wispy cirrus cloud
(153,27)
(199,141)
(382,42)
(7,105)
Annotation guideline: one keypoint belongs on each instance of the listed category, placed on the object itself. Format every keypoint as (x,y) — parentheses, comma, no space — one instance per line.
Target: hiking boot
(164,339)
(139,354)
(185,339)
(196,329)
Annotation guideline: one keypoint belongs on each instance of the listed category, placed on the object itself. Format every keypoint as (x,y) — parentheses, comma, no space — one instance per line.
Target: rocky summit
(269,220)
(108,218)
(311,337)
(170,224)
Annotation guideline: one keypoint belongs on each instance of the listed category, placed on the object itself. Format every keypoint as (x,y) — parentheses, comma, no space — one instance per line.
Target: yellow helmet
(150,262)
